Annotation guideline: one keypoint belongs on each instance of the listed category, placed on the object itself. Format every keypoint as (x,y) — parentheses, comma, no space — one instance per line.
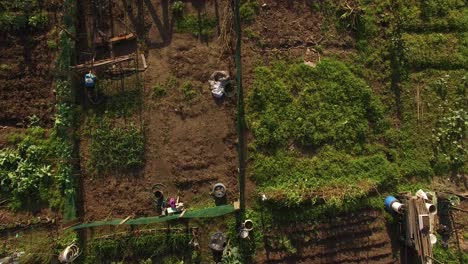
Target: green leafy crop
(199,26)
(137,247)
(113,147)
(26,170)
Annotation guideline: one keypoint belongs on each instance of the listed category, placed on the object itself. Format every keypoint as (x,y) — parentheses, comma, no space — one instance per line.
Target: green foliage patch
(332,175)
(39,20)
(19,15)
(199,26)
(65,119)
(311,107)
(11,22)
(436,50)
(138,247)
(450,255)
(124,103)
(294,111)
(113,147)
(407,47)
(177,8)
(453,20)
(248,10)
(450,137)
(161,89)
(26,173)
(188,90)
(449,131)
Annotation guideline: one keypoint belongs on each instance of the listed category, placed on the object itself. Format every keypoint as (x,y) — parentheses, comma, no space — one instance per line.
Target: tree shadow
(217,16)
(165,25)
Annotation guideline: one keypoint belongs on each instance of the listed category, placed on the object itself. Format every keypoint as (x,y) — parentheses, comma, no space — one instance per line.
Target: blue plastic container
(389,201)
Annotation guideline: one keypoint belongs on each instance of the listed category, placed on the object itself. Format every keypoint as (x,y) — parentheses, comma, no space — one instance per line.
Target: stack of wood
(418,228)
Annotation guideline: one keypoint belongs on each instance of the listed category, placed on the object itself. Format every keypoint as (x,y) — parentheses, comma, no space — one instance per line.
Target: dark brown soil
(26,90)
(190,144)
(26,80)
(358,238)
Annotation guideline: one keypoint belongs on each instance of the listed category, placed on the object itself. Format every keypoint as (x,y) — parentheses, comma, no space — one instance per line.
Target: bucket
(248,224)
(219,190)
(431,208)
(158,194)
(392,204)
(388,202)
(244,233)
(218,242)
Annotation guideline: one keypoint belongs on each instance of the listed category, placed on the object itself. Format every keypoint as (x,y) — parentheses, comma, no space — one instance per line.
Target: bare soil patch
(26,79)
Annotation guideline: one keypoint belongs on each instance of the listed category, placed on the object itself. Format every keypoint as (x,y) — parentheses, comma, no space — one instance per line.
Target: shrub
(188,90)
(248,10)
(11,22)
(177,8)
(52,44)
(39,20)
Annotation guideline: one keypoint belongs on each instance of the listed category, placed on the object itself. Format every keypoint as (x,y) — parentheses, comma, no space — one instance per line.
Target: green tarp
(202,213)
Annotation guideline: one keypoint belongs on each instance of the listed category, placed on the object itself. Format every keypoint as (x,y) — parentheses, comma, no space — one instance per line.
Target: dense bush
(311,107)
(294,109)
(436,50)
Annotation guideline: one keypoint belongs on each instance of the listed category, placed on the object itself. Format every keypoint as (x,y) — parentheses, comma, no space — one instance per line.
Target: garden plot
(189,138)
(321,140)
(28,47)
(27,54)
(113,143)
(313,131)
(337,240)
